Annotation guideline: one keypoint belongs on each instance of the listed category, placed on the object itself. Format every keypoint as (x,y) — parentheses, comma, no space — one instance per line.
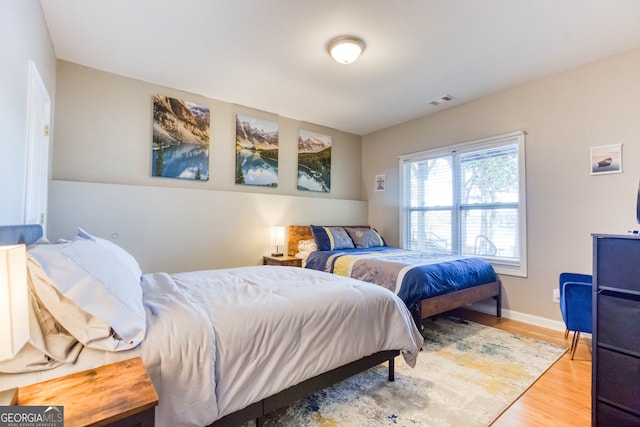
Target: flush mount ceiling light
(345,49)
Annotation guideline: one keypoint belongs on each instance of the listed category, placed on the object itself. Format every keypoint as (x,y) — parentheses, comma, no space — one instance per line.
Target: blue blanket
(413,275)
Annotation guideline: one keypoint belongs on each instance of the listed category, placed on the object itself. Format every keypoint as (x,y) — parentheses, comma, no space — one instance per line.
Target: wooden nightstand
(290,261)
(120,393)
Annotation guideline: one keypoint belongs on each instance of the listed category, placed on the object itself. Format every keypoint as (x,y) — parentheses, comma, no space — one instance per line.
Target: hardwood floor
(562,396)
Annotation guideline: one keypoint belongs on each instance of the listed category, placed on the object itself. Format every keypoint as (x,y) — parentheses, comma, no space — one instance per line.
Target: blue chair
(576,305)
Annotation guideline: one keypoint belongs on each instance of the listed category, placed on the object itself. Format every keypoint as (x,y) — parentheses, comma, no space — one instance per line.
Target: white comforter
(220,340)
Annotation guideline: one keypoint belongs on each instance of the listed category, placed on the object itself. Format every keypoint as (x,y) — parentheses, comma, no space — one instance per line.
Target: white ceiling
(271,54)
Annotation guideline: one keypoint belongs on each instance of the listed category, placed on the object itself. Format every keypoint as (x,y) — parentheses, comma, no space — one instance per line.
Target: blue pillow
(331,238)
(365,237)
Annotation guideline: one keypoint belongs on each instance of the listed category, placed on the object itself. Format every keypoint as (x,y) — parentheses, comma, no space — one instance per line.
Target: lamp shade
(345,49)
(277,238)
(277,235)
(14,300)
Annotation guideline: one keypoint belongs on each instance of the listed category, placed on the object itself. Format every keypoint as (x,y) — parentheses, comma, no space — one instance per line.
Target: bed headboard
(295,233)
(15,234)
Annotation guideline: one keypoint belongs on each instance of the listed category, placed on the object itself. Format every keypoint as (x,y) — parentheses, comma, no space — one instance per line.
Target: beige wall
(102,179)
(103,134)
(564,115)
(184,229)
(23,37)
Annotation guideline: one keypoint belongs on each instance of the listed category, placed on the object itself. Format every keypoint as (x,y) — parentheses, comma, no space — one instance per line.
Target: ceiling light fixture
(345,49)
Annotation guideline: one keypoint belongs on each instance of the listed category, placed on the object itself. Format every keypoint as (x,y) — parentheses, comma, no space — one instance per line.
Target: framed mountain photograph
(180,139)
(256,151)
(314,161)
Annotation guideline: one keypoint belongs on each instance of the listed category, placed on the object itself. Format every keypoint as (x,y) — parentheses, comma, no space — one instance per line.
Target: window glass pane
(490,232)
(430,230)
(430,182)
(489,176)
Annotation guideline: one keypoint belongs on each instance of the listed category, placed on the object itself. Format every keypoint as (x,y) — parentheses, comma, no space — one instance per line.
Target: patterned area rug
(467,374)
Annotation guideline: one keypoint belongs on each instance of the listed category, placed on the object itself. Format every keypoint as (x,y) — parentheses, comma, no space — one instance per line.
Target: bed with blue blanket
(428,282)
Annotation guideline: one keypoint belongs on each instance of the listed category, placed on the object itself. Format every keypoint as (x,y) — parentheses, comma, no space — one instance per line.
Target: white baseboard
(490,308)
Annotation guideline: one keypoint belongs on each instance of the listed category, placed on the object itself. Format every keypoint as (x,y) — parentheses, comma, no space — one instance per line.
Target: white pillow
(98,283)
(305,247)
(122,254)
(50,344)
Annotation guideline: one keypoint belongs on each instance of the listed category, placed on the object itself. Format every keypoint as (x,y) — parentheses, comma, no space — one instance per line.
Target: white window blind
(468,199)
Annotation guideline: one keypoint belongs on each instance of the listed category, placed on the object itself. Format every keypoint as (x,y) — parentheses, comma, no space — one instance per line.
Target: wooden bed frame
(258,410)
(427,307)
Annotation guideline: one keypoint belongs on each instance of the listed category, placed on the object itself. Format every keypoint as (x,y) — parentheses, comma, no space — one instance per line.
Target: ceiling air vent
(440,100)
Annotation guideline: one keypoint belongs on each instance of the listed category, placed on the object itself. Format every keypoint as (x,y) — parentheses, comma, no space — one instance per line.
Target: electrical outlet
(556,296)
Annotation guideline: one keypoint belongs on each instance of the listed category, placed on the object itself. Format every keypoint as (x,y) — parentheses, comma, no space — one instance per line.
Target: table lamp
(277,237)
(14,307)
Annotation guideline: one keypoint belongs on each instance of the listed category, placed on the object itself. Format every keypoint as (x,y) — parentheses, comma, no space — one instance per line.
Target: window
(468,199)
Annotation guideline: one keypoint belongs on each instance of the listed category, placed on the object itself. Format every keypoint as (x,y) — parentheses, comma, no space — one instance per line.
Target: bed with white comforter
(217,341)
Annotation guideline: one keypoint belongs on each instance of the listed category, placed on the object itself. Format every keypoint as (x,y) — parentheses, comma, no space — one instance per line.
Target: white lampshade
(277,235)
(345,49)
(14,300)
(277,238)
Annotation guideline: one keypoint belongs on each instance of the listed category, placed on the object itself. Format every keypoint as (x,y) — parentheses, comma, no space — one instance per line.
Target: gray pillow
(331,238)
(365,237)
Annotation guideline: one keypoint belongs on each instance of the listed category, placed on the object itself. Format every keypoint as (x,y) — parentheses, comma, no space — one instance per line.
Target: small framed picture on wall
(606,159)
(380,182)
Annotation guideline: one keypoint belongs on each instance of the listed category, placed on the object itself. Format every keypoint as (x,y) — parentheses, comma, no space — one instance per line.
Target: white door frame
(37,150)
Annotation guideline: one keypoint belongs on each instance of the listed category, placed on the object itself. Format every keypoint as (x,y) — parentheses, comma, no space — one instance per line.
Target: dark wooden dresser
(616,331)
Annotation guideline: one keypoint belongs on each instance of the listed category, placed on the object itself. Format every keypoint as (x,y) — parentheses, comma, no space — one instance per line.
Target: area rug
(467,374)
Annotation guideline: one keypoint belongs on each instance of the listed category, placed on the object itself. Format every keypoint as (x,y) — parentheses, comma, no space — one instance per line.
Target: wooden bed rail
(439,304)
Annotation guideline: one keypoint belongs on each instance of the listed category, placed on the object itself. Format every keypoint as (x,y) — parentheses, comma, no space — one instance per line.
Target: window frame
(501,265)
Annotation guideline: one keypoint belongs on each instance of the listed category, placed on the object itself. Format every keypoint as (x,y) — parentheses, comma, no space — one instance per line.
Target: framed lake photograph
(606,159)
(314,161)
(180,139)
(256,151)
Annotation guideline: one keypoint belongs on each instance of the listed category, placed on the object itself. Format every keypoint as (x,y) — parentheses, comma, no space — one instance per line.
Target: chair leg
(566,333)
(574,343)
